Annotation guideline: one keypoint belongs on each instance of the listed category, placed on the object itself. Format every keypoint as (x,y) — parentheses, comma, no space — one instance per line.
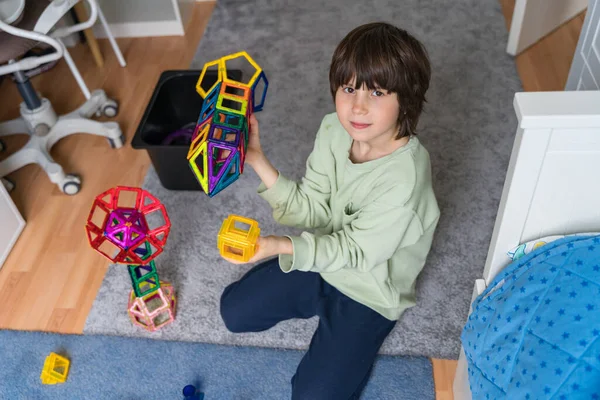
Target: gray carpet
(468,128)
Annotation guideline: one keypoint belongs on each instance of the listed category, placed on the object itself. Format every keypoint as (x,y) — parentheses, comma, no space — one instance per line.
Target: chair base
(45,129)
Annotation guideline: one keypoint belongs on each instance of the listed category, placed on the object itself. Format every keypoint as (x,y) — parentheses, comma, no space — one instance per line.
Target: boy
(368,192)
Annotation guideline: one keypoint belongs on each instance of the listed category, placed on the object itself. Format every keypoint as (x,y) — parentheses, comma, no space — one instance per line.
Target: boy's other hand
(268,246)
(254,151)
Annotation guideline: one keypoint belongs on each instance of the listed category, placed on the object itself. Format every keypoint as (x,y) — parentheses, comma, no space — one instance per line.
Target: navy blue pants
(338,362)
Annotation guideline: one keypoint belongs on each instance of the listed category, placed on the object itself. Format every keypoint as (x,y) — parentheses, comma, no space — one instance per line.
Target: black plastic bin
(173,105)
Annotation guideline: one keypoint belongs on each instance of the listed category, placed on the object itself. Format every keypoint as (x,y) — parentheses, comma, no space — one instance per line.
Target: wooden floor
(545,65)
(51,277)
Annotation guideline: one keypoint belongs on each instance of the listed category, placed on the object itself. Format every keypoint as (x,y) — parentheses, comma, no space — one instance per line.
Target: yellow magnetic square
(55,370)
(244,104)
(236,242)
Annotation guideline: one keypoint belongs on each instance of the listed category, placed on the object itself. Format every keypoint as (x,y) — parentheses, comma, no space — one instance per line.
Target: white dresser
(11,224)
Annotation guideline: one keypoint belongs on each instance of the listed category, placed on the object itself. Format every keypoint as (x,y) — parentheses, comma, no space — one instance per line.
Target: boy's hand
(254,152)
(256,158)
(268,246)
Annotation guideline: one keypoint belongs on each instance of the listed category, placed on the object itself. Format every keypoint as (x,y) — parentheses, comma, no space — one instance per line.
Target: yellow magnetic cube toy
(237,238)
(56,369)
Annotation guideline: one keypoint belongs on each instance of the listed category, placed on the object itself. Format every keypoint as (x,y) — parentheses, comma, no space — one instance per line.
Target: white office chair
(23,25)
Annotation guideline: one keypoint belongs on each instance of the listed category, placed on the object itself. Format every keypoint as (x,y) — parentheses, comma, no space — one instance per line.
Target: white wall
(137,10)
(139,18)
(585,69)
(534,19)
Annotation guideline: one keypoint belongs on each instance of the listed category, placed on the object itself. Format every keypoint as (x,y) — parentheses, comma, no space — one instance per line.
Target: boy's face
(368,116)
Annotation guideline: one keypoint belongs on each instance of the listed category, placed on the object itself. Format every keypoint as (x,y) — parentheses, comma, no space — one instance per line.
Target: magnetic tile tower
(129,226)
(218,149)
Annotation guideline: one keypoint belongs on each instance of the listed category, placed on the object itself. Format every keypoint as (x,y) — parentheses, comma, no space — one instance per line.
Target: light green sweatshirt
(374,221)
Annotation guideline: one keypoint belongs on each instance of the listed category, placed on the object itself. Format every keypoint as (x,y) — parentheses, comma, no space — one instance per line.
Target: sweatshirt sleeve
(304,204)
(371,237)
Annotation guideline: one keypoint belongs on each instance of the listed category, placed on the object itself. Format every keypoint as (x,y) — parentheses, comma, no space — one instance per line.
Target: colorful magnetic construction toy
(217,152)
(155,309)
(130,226)
(55,370)
(237,238)
(121,234)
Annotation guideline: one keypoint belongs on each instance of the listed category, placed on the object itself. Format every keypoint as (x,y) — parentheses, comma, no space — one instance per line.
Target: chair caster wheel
(117,143)
(71,185)
(8,184)
(110,109)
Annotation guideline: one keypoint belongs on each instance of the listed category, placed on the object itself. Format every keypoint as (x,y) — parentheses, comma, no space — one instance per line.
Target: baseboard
(141,29)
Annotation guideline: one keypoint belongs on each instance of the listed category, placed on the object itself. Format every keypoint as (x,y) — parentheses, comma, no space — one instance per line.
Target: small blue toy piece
(190,393)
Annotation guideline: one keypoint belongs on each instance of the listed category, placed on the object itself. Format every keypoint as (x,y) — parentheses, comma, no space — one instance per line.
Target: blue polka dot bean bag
(534,333)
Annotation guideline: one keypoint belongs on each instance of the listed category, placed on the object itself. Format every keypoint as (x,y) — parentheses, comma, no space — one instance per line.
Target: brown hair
(382,56)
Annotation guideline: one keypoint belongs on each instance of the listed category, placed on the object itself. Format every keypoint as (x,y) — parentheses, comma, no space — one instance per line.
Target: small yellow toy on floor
(237,238)
(56,369)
